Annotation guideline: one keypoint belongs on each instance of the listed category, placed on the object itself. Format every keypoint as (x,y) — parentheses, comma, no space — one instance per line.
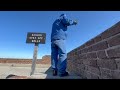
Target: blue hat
(63,15)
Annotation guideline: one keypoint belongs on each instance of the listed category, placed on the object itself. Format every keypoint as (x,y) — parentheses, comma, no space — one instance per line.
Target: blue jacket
(59,28)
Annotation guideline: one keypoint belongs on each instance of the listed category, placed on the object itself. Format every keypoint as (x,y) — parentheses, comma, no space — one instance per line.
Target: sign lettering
(36,38)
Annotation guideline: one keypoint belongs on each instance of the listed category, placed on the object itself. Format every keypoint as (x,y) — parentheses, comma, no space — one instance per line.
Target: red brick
(73,53)
(92,55)
(100,46)
(115,29)
(107,63)
(70,54)
(84,50)
(114,41)
(114,53)
(101,54)
(89,42)
(82,46)
(97,39)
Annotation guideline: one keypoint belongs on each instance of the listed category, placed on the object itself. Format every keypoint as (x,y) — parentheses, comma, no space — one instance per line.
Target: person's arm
(68,22)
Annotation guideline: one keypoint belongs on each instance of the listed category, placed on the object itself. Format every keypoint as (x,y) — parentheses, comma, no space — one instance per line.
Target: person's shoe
(54,73)
(64,74)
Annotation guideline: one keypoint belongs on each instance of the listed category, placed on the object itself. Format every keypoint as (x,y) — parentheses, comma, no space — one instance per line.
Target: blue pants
(58,53)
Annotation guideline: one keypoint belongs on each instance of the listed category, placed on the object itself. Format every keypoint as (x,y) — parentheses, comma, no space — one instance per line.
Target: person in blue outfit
(58,45)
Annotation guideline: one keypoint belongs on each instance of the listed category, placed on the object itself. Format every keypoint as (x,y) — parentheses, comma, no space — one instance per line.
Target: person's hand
(75,22)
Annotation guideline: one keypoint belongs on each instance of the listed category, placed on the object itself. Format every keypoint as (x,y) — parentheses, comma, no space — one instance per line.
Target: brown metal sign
(38,38)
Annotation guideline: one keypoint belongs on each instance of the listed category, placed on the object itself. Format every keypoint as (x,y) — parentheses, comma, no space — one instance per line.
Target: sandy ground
(41,71)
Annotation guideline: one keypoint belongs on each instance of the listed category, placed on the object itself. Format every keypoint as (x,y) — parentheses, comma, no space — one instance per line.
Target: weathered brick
(114,41)
(82,46)
(75,57)
(85,64)
(82,56)
(114,53)
(80,72)
(72,67)
(94,76)
(116,74)
(101,54)
(79,52)
(78,48)
(92,55)
(89,49)
(93,63)
(73,53)
(76,52)
(84,50)
(105,73)
(93,70)
(80,61)
(97,39)
(107,63)
(89,75)
(90,42)
(81,66)
(115,29)
(69,54)
(90,62)
(118,63)
(100,46)
(86,61)
(105,34)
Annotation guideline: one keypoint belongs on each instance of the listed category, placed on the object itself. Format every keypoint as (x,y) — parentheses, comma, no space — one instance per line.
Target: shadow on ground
(50,76)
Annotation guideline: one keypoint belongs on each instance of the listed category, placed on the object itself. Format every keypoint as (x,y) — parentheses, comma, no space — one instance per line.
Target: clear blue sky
(14,26)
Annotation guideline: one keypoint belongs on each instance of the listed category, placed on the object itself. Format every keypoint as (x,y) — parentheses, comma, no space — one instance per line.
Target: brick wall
(99,58)
(45,60)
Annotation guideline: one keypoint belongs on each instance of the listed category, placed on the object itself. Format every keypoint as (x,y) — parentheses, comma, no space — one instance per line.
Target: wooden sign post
(36,38)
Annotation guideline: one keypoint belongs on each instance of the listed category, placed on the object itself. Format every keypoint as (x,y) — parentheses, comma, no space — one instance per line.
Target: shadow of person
(48,73)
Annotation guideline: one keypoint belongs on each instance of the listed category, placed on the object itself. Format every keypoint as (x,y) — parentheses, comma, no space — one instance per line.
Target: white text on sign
(35,41)
(35,37)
